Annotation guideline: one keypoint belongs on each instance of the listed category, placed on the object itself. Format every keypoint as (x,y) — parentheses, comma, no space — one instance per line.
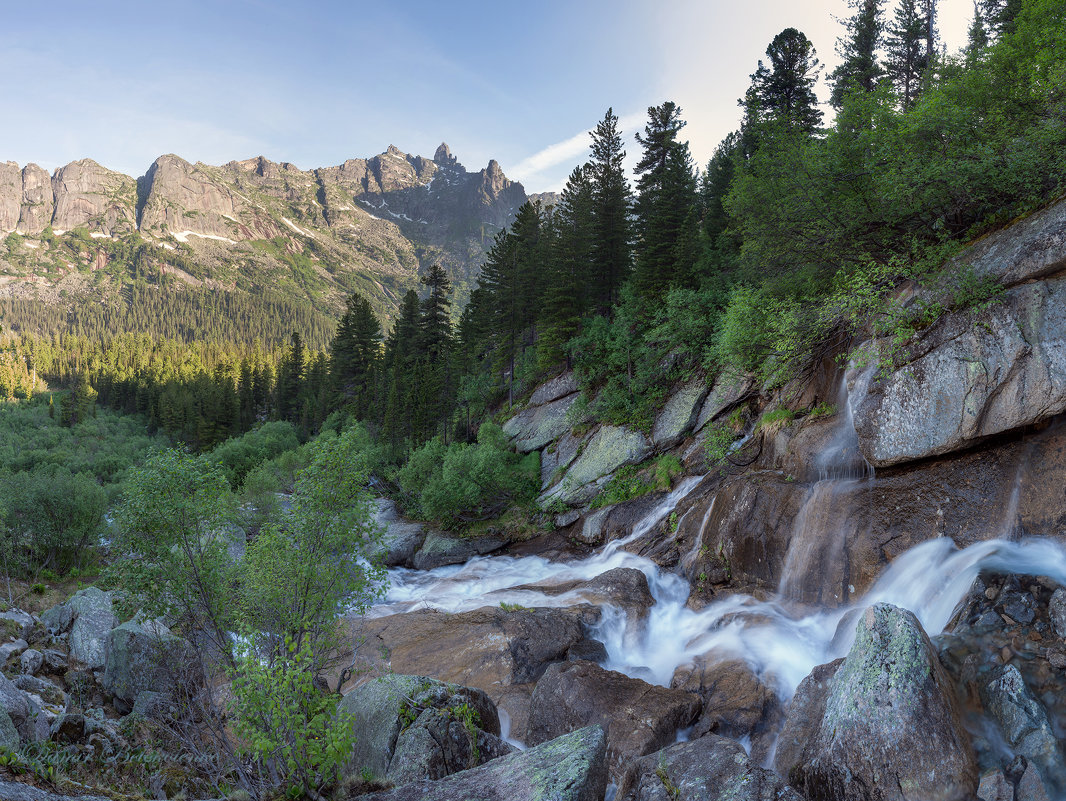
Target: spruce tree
(434,386)
(906,46)
(611,198)
(857,49)
(354,358)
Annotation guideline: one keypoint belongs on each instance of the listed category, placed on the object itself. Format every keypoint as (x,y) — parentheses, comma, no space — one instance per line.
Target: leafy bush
(239,455)
(460,483)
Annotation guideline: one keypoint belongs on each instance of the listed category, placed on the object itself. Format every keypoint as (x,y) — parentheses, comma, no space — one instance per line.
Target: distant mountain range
(372,225)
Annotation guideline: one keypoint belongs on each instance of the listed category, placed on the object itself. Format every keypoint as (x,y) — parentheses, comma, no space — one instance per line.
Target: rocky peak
(87,194)
(10,196)
(444,156)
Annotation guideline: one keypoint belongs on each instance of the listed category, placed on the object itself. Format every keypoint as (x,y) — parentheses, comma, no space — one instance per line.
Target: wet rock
(1018,606)
(536,426)
(711,768)
(1024,724)
(402,538)
(146,656)
(623,587)
(678,414)
(569,768)
(31,661)
(588,651)
(501,652)
(965,382)
(440,549)
(591,532)
(441,742)
(1032,248)
(995,787)
(1057,612)
(890,727)
(1030,786)
(727,391)
(639,717)
(383,708)
(735,703)
(806,711)
(567,518)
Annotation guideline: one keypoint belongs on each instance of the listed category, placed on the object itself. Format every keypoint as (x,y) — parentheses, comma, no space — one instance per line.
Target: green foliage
(717,442)
(239,455)
(775,419)
(460,483)
(626,484)
(664,470)
(282,720)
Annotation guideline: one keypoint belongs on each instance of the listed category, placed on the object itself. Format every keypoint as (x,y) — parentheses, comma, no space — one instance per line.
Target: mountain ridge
(372,225)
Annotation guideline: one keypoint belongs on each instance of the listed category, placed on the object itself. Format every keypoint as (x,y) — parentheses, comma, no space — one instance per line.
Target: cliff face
(384,218)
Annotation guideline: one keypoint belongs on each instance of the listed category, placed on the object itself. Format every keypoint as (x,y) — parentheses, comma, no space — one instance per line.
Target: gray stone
(535,426)
(10,649)
(439,744)
(146,656)
(890,728)
(17,707)
(20,619)
(559,455)
(1057,612)
(152,704)
(567,518)
(1032,248)
(45,694)
(969,381)
(1024,723)
(1030,787)
(678,414)
(9,736)
(56,661)
(402,538)
(728,389)
(93,617)
(553,389)
(569,768)
(591,532)
(1019,606)
(611,447)
(381,708)
(31,661)
(59,618)
(711,768)
(441,549)
(995,787)
(14,791)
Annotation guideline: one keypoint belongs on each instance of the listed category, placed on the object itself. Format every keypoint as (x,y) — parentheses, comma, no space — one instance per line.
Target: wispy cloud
(540,168)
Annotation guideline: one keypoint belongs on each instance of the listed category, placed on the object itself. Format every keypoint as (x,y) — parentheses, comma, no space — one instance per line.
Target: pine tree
(977,36)
(783,92)
(434,386)
(354,358)
(612,238)
(667,194)
(859,68)
(401,354)
(999,15)
(907,47)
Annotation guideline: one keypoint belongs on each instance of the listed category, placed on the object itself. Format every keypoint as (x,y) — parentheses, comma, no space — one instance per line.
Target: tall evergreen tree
(290,380)
(434,387)
(906,46)
(783,91)
(355,356)
(401,354)
(977,36)
(999,15)
(611,198)
(667,195)
(857,48)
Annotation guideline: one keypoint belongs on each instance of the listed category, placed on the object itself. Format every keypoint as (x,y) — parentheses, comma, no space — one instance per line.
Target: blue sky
(315,83)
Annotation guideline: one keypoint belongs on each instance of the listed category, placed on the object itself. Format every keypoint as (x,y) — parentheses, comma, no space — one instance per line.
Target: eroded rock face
(639,717)
(890,727)
(89,617)
(536,426)
(441,549)
(678,414)
(87,194)
(145,657)
(402,538)
(971,379)
(178,196)
(569,768)
(10,196)
(1032,248)
(38,200)
(708,769)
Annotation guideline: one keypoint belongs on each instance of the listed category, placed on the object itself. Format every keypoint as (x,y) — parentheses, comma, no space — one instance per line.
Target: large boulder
(554,388)
(16,706)
(440,549)
(145,656)
(609,448)
(1024,724)
(569,768)
(678,414)
(535,426)
(502,652)
(890,729)
(16,622)
(9,736)
(15,791)
(402,538)
(384,712)
(88,616)
(970,379)
(639,717)
(711,768)
(1031,249)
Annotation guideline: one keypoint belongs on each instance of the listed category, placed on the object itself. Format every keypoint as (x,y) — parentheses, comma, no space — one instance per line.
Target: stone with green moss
(890,728)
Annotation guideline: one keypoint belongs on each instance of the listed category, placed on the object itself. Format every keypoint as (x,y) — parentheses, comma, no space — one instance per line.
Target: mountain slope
(306,238)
